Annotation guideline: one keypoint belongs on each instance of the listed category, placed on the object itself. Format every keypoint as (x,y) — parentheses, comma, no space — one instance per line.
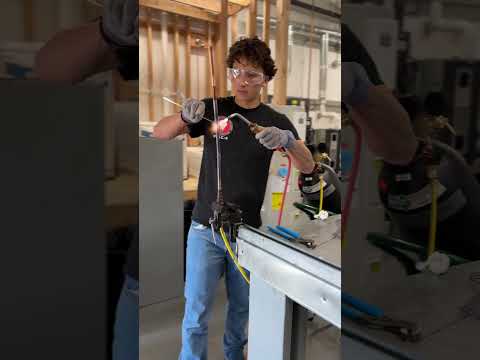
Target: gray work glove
(355,84)
(120,22)
(192,111)
(274,138)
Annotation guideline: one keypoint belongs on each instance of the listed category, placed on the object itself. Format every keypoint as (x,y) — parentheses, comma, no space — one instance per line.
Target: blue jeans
(126,336)
(207,261)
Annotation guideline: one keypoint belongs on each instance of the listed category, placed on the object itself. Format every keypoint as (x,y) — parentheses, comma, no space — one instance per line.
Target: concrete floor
(160,336)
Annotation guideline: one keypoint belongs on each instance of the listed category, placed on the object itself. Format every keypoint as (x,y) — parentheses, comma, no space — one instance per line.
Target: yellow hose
(320,208)
(232,255)
(433,218)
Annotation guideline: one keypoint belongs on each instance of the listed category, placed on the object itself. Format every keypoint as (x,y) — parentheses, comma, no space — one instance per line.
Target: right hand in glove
(192,111)
(120,22)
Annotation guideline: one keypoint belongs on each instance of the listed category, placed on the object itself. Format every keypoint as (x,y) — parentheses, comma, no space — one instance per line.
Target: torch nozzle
(253,126)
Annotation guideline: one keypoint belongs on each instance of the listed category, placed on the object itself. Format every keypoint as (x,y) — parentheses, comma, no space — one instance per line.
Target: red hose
(352,180)
(279,222)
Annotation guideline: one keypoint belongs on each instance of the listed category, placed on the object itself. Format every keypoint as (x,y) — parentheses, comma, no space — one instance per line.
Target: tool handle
(289,232)
(350,313)
(310,213)
(368,309)
(255,128)
(280,233)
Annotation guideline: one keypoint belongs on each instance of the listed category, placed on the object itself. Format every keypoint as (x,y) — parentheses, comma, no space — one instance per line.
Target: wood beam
(234,9)
(221,50)
(281,53)
(171,29)
(243,3)
(234,28)
(266,38)
(151,105)
(208,88)
(208,5)
(212,6)
(164,107)
(252,19)
(198,9)
(188,53)
(266,21)
(178,8)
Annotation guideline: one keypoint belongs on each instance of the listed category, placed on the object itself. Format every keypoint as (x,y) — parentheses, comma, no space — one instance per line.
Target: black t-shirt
(128,68)
(354,51)
(245,162)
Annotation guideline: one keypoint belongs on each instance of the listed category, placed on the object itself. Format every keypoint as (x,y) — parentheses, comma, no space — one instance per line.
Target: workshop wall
(299,54)
(163,74)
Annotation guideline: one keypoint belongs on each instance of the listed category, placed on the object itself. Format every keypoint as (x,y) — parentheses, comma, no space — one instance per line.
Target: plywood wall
(163,70)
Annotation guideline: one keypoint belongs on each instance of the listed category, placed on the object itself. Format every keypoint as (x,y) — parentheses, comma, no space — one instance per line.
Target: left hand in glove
(273,138)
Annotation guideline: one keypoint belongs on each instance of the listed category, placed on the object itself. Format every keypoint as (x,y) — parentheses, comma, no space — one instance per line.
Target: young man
(71,56)
(245,165)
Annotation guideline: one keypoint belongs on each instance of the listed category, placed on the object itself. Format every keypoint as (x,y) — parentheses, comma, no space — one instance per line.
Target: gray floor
(160,333)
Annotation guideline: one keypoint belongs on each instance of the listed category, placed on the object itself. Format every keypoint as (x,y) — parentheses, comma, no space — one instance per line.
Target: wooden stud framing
(164,107)
(188,56)
(266,21)
(252,19)
(176,57)
(214,5)
(266,38)
(178,8)
(234,28)
(221,50)
(156,25)
(208,88)
(281,53)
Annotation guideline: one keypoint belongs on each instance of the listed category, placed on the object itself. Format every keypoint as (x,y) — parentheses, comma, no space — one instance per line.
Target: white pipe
(323,73)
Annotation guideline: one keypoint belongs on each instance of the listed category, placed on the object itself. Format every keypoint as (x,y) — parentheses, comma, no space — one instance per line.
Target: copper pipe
(215,119)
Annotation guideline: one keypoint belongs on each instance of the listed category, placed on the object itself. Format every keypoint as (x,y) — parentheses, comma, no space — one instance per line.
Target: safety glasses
(249,76)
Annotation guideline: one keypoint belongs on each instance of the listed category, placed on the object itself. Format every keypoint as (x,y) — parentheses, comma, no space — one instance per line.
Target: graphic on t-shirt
(225,128)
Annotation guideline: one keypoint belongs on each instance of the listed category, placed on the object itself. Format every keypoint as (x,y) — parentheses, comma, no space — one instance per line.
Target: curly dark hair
(256,52)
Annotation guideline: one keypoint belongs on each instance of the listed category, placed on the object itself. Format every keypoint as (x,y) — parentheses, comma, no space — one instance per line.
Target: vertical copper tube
(215,119)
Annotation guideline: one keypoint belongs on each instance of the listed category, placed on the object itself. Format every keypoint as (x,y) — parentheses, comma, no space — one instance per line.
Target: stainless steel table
(435,303)
(286,280)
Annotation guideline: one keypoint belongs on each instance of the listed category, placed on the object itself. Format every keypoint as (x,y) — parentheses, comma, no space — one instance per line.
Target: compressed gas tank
(406,194)
(309,185)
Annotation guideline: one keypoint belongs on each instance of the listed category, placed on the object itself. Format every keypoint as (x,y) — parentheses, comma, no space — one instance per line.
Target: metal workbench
(286,280)
(435,303)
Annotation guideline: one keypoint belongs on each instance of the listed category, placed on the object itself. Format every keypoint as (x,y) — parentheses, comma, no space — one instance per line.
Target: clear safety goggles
(251,77)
